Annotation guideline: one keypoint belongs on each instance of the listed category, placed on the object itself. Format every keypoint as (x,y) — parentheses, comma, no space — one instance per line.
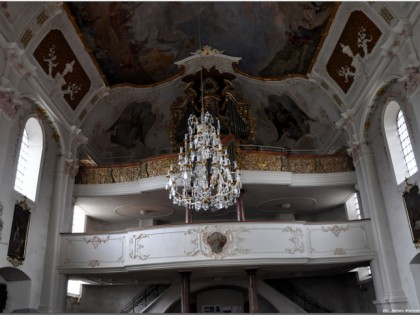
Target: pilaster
(54,286)
(386,279)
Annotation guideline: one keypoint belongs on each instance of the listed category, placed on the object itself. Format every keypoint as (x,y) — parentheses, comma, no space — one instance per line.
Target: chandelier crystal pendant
(204,178)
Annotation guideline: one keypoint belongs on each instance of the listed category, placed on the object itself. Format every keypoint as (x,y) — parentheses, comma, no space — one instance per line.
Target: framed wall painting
(19,234)
(411,198)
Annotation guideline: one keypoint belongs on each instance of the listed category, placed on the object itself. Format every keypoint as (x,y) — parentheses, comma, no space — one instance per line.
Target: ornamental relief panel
(297,239)
(336,230)
(215,242)
(262,161)
(94,263)
(357,41)
(96,240)
(136,246)
(59,63)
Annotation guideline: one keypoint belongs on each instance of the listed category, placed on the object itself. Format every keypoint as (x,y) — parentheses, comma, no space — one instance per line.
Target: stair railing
(299,297)
(144,298)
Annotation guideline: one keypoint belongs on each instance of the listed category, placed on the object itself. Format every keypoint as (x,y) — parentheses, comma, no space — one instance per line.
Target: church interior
(209,157)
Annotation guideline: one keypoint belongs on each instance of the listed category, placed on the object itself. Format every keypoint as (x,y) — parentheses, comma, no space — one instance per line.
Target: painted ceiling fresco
(138,42)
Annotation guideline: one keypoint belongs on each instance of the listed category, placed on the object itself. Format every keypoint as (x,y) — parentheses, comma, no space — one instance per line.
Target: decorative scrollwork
(339,251)
(296,239)
(94,263)
(15,261)
(96,240)
(336,230)
(203,243)
(136,246)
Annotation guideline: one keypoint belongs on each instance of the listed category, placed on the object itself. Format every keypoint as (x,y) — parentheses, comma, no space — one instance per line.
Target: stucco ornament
(411,80)
(7,102)
(357,60)
(136,246)
(217,243)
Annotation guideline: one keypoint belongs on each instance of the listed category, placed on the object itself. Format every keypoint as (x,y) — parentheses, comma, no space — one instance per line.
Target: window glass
(79,220)
(406,147)
(353,208)
(29,162)
(399,143)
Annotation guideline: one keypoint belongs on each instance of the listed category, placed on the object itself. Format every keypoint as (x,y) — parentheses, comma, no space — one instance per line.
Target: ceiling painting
(125,136)
(132,125)
(138,42)
(281,122)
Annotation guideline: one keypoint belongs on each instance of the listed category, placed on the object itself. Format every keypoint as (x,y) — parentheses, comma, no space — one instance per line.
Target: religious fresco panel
(126,135)
(282,123)
(138,42)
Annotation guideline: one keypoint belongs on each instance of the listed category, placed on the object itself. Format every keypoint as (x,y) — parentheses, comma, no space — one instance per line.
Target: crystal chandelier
(204,178)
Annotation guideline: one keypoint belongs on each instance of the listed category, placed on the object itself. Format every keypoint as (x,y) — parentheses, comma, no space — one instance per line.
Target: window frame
(35,150)
(394,145)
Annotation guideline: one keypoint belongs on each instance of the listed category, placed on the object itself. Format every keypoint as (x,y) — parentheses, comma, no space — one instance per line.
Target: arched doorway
(17,286)
(415,271)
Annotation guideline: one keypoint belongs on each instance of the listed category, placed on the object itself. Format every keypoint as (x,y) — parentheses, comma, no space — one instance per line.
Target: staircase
(298,296)
(144,298)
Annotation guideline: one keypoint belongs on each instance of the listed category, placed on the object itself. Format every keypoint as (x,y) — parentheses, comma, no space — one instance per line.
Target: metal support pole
(252,290)
(240,208)
(185,292)
(188,214)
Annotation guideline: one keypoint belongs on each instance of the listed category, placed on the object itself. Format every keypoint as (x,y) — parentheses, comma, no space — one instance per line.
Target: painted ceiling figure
(287,117)
(132,125)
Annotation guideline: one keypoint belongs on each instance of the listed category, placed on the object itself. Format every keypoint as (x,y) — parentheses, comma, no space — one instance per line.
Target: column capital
(359,150)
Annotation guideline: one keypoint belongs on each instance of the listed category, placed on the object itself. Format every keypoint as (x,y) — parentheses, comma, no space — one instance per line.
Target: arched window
(399,143)
(79,220)
(29,163)
(353,208)
(407,149)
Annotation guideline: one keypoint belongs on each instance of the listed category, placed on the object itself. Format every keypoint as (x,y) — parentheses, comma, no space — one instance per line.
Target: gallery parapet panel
(219,245)
(247,159)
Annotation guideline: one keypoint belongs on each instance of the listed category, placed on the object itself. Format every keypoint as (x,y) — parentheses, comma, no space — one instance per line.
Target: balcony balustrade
(218,244)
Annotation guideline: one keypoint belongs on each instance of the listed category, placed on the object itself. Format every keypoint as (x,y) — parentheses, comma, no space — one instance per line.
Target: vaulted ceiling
(139,42)
(144,51)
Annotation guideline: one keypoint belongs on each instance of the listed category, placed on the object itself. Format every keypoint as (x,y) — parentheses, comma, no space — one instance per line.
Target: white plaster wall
(392,193)
(98,226)
(107,298)
(18,301)
(40,209)
(336,214)
(340,293)
(223,297)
